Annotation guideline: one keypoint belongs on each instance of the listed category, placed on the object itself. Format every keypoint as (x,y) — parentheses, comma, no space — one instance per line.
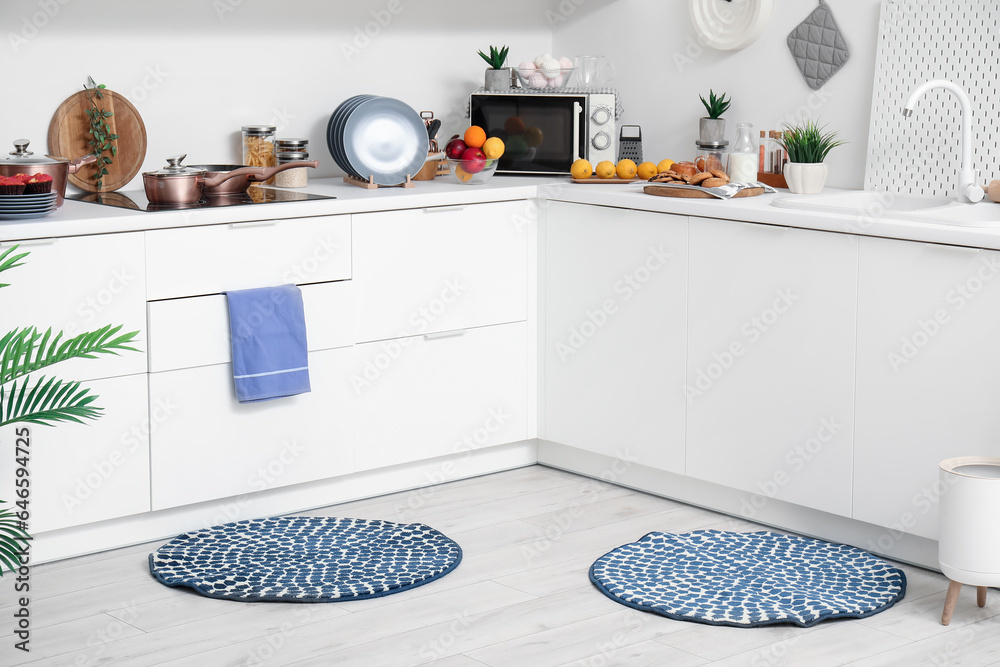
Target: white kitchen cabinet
(770,369)
(80,284)
(81,473)
(928,364)
(437,394)
(615,332)
(440,269)
(191,261)
(210,446)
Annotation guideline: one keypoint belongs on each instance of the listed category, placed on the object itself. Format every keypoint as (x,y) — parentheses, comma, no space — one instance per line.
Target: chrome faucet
(968,189)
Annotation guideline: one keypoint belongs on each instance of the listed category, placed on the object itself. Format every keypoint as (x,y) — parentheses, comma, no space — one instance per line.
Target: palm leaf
(13,540)
(24,351)
(8,260)
(47,402)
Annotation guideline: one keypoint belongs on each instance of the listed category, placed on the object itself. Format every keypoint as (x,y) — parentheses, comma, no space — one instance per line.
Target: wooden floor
(520,597)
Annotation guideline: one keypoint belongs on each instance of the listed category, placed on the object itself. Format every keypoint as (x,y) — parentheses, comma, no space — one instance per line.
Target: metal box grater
(630,147)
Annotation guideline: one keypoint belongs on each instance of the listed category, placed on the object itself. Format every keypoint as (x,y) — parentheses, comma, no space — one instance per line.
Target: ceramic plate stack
(377,137)
(20,207)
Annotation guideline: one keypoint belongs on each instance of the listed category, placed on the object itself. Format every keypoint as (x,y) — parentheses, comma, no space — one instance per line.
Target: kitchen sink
(870,206)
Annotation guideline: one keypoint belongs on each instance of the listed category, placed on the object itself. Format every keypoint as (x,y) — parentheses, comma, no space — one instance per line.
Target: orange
(475,137)
(605,169)
(514,126)
(493,148)
(646,171)
(626,169)
(581,169)
(664,165)
(462,174)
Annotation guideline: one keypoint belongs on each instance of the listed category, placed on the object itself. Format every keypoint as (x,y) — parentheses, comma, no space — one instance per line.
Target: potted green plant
(44,401)
(712,128)
(497,76)
(807,146)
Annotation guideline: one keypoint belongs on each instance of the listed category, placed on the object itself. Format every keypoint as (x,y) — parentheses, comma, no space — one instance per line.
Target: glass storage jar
(258,147)
(297,177)
(711,155)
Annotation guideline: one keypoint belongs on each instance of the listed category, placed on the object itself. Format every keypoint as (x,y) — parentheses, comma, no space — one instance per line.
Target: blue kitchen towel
(268,330)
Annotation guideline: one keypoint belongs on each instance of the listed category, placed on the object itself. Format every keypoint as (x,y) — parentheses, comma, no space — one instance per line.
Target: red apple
(473,160)
(455,148)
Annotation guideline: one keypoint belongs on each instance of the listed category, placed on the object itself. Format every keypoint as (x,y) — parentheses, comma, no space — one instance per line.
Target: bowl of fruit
(545,72)
(473,157)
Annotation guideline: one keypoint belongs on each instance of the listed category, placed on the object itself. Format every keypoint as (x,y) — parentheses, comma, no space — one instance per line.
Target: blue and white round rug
(747,579)
(305,559)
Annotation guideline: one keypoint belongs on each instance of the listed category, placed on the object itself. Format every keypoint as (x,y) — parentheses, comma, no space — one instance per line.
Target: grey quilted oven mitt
(818,46)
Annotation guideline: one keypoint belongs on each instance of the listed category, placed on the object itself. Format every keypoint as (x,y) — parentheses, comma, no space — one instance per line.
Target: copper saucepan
(176,184)
(235,186)
(22,161)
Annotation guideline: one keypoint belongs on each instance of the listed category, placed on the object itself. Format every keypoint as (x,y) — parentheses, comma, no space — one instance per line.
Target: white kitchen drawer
(438,269)
(81,473)
(428,396)
(189,332)
(80,284)
(191,261)
(213,447)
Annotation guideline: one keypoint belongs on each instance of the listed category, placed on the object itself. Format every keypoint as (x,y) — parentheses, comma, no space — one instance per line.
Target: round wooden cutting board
(69,133)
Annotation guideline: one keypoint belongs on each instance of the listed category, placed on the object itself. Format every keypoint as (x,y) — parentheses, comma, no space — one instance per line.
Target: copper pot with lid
(177,184)
(22,161)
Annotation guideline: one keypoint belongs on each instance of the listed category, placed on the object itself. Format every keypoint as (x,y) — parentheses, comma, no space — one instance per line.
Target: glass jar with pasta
(258,147)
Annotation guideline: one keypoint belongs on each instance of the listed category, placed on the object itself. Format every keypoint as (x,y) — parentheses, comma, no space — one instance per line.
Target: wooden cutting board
(664,191)
(69,133)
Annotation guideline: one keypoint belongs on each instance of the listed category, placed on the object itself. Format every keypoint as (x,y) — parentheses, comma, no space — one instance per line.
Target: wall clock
(729,25)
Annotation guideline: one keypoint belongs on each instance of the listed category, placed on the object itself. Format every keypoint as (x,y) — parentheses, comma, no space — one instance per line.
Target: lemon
(581,169)
(646,171)
(626,169)
(493,148)
(664,165)
(605,169)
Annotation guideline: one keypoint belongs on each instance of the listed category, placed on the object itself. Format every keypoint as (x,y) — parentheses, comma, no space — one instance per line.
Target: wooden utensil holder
(774,180)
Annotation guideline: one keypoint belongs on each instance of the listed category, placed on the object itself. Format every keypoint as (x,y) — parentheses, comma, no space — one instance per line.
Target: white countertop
(79,218)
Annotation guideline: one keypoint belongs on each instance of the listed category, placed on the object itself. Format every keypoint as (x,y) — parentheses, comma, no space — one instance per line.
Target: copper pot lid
(175,168)
(21,155)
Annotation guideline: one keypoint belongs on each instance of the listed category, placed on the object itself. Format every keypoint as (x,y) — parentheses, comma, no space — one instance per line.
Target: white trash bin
(969,540)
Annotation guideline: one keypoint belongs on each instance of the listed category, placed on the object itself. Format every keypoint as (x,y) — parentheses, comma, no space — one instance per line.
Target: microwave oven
(544,133)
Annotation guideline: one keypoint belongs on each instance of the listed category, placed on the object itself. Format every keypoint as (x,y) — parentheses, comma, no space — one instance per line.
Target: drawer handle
(252,223)
(29,242)
(444,209)
(444,334)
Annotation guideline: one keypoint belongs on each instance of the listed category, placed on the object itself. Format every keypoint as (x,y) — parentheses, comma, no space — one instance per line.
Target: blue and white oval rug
(747,579)
(305,559)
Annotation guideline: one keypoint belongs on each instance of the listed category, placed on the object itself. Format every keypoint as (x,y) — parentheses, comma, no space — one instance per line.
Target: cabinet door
(81,473)
(434,395)
(928,363)
(440,269)
(212,447)
(770,376)
(80,284)
(615,328)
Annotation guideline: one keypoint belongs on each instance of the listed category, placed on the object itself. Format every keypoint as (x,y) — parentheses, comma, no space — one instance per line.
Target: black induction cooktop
(136,199)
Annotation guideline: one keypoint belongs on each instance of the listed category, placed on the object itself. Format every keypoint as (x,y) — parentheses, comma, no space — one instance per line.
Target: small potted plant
(712,128)
(497,76)
(807,145)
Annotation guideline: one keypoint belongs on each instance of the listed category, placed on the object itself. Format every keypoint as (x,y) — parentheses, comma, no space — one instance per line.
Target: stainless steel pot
(22,161)
(235,186)
(177,184)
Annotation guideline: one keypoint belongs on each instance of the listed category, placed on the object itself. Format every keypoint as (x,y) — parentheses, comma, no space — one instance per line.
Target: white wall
(197,70)
(661,70)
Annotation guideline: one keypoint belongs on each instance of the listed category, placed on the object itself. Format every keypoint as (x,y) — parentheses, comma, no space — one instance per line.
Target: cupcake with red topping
(38,184)
(11,186)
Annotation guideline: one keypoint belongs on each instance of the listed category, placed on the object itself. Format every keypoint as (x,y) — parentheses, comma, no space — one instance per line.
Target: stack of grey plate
(377,138)
(20,207)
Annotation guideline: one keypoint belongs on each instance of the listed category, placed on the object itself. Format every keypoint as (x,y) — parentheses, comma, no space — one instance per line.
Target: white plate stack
(377,138)
(20,207)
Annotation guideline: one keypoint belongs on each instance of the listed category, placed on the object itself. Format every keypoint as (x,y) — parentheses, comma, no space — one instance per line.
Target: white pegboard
(920,40)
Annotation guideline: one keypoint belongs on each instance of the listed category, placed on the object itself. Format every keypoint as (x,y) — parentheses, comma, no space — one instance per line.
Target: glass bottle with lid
(745,156)
(258,147)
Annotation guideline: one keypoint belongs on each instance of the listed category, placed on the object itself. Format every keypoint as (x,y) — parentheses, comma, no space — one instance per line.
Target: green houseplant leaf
(13,539)
(496,58)
(715,106)
(807,142)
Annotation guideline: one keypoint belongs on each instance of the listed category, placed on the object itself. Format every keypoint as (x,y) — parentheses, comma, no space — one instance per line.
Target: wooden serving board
(69,133)
(595,179)
(666,191)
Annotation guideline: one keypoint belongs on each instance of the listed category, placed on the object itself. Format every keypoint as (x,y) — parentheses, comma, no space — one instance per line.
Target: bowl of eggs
(545,72)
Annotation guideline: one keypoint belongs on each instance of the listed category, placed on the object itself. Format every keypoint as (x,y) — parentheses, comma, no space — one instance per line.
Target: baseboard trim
(165,524)
(879,540)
